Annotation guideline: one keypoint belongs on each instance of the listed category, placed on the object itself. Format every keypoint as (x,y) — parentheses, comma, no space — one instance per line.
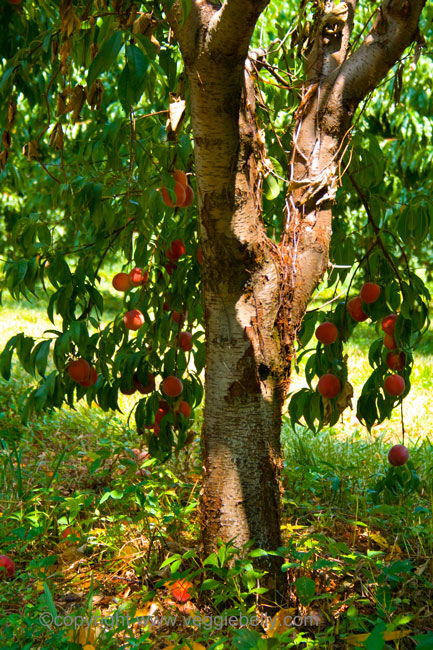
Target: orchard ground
(370,559)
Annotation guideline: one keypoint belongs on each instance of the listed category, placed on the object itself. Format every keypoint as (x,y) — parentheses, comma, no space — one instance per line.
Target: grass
(357,534)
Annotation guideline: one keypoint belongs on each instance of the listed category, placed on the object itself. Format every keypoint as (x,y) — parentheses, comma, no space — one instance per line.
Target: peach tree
(226,158)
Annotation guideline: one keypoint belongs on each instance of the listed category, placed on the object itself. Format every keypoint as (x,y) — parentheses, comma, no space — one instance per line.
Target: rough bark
(255,292)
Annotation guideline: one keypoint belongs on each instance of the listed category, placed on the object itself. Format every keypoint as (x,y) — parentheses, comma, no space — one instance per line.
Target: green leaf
(271,187)
(133,77)
(305,589)
(105,58)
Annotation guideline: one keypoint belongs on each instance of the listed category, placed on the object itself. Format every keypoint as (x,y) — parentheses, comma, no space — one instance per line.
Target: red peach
(79,370)
(172,386)
(148,388)
(91,380)
(137,276)
(354,307)
(388,323)
(180,177)
(184,408)
(133,319)
(180,193)
(370,292)
(389,342)
(398,455)
(329,385)
(7,567)
(395,360)
(185,341)
(327,333)
(394,385)
(122,282)
(189,197)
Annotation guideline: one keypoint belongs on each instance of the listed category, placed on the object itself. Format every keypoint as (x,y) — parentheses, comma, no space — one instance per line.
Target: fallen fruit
(172,386)
(370,292)
(388,323)
(329,385)
(69,532)
(398,455)
(181,590)
(122,282)
(326,333)
(133,319)
(79,370)
(394,385)
(354,307)
(7,567)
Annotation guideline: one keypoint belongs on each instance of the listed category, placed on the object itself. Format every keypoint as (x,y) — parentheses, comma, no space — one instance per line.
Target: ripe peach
(15,2)
(326,333)
(199,255)
(329,385)
(170,267)
(7,567)
(185,341)
(181,590)
(137,277)
(133,319)
(172,386)
(180,177)
(166,305)
(128,391)
(177,317)
(395,360)
(176,250)
(68,532)
(163,404)
(148,388)
(180,193)
(184,408)
(121,282)
(189,197)
(394,385)
(91,379)
(354,307)
(159,415)
(370,292)
(398,455)
(79,370)
(388,323)
(389,342)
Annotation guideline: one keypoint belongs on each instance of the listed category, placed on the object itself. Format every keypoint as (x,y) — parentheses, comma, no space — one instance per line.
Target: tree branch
(394,29)
(231,27)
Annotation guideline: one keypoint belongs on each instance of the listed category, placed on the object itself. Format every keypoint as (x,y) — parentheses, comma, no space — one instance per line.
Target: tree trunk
(256,292)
